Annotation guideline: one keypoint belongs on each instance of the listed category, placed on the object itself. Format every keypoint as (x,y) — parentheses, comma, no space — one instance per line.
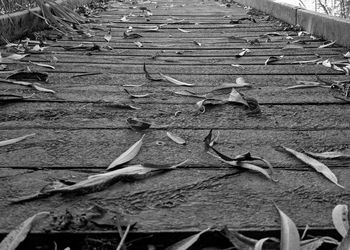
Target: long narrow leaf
(329,155)
(318,166)
(177,82)
(127,155)
(290,239)
(14,140)
(188,242)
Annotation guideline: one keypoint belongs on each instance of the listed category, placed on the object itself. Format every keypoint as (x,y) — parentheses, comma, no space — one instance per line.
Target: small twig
(121,243)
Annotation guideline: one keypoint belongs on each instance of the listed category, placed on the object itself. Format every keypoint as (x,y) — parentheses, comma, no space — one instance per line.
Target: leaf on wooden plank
(138,44)
(29,76)
(241,82)
(177,82)
(184,31)
(237,65)
(41,89)
(176,138)
(313,244)
(236,97)
(260,243)
(38,48)
(16,236)
(197,43)
(329,155)
(128,155)
(340,217)
(7,98)
(124,19)
(16,56)
(318,166)
(308,61)
(3,67)
(272,59)
(119,105)
(14,140)
(308,84)
(137,124)
(327,45)
(188,242)
(136,96)
(292,47)
(290,239)
(239,241)
(148,76)
(43,65)
(303,33)
(347,54)
(147,28)
(189,93)
(131,35)
(242,53)
(108,36)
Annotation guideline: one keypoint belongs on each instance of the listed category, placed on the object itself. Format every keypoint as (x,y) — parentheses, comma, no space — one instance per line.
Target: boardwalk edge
(318,24)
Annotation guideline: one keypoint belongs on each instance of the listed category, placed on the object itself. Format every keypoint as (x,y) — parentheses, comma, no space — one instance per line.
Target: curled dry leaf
(176,138)
(136,96)
(236,97)
(16,236)
(340,219)
(177,82)
(137,124)
(43,65)
(318,166)
(128,155)
(272,59)
(197,43)
(260,243)
(148,76)
(188,242)
(329,155)
(242,53)
(290,239)
(138,44)
(14,140)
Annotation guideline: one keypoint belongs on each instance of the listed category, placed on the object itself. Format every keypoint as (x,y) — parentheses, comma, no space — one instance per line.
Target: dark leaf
(29,76)
(131,35)
(137,124)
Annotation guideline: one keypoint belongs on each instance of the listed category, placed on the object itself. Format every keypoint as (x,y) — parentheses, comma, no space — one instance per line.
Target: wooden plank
(204,197)
(71,147)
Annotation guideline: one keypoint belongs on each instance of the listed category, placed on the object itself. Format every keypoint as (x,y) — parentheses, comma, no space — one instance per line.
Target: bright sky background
(309,3)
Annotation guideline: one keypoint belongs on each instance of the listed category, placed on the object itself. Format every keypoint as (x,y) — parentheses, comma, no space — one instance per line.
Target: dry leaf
(318,166)
(148,76)
(314,244)
(188,242)
(137,124)
(292,47)
(345,244)
(272,59)
(43,65)
(14,140)
(29,76)
(184,31)
(340,219)
(237,98)
(242,53)
(131,35)
(16,56)
(329,155)
(260,243)
(197,43)
(42,89)
(308,84)
(16,236)
(239,241)
(136,96)
(127,155)
(176,138)
(124,19)
(138,44)
(108,37)
(177,82)
(290,239)
(147,28)
(329,44)
(347,54)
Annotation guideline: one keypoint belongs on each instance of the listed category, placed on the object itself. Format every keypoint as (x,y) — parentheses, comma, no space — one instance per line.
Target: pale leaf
(340,219)
(347,54)
(14,140)
(260,243)
(327,45)
(241,82)
(177,82)
(329,155)
(237,98)
(134,85)
(15,237)
(188,242)
(272,59)
(318,166)
(314,244)
(108,37)
(43,89)
(176,138)
(136,96)
(127,155)
(290,239)
(197,43)
(138,44)
(17,56)
(307,84)
(184,31)
(43,65)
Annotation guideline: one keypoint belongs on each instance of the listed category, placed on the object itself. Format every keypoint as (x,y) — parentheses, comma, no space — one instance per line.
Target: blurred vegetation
(9,6)
(339,8)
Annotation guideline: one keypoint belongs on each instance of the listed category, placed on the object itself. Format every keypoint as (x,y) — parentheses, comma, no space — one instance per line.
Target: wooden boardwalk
(76,135)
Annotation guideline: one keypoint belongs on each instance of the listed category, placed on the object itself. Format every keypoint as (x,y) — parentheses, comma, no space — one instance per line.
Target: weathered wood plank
(90,148)
(203,197)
